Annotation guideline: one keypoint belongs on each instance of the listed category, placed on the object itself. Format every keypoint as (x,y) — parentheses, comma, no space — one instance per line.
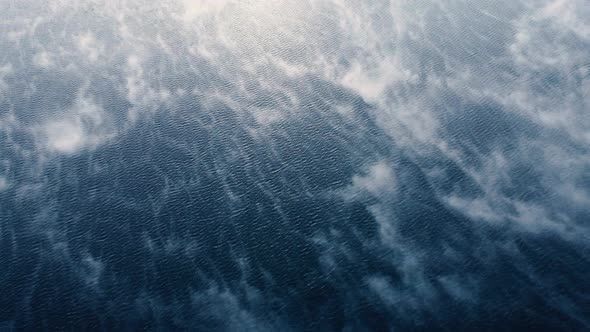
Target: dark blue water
(313,166)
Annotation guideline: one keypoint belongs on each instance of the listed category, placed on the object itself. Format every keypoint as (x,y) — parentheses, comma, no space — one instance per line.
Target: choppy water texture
(279,165)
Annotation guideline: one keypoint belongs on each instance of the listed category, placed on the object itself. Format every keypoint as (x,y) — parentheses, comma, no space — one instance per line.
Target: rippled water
(295,165)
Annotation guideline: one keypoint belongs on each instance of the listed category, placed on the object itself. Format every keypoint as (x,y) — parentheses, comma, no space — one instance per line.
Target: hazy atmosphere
(309,165)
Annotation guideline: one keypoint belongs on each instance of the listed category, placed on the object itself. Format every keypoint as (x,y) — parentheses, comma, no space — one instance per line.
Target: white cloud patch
(82,126)
(194,9)
(91,271)
(475,208)
(382,287)
(43,59)
(90,46)
(4,183)
(378,181)
(373,81)
(64,136)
